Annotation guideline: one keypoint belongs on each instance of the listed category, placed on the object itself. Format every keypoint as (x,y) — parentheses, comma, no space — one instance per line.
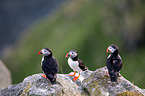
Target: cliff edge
(90,83)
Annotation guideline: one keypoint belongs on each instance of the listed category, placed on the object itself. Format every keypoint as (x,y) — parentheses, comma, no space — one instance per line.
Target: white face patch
(111,49)
(73,54)
(45,52)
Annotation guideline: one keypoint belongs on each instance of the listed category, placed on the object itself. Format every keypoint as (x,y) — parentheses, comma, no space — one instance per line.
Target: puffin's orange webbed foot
(73,74)
(108,74)
(75,78)
(44,76)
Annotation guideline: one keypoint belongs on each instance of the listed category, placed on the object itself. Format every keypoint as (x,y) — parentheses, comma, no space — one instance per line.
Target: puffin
(75,63)
(49,65)
(114,62)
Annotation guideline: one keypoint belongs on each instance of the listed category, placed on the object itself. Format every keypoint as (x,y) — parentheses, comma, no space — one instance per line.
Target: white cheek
(112,49)
(45,53)
(48,52)
(74,55)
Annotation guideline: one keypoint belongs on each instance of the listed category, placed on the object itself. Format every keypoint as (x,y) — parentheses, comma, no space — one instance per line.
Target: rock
(98,83)
(37,85)
(5,76)
(90,83)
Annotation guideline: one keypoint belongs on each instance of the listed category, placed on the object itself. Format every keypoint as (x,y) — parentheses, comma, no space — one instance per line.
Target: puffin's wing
(47,71)
(46,68)
(81,65)
(109,65)
(112,74)
(56,66)
(50,66)
(120,63)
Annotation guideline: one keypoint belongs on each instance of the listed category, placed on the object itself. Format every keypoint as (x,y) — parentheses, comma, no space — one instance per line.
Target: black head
(45,52)
(112,48)
(72,54)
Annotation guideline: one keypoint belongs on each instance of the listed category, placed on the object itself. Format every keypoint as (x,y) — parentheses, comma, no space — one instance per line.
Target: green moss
(131,93)
(94,85)
(26,90)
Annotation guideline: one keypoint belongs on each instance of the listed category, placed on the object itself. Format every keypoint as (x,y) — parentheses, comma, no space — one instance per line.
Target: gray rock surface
(90,83)
(5,76)
(99,83)
(36,85)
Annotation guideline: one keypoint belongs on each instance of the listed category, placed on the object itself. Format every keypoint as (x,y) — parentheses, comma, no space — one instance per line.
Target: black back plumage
(50,67)
(114,65)
(81,65)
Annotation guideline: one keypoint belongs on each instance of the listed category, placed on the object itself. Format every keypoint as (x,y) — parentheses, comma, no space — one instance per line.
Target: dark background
(18,15)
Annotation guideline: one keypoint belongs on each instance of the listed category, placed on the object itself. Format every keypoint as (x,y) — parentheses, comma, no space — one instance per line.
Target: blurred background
(89,26)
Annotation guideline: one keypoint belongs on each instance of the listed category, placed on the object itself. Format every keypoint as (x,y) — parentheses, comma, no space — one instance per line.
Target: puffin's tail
(86,68)
(51,78)
(113,77)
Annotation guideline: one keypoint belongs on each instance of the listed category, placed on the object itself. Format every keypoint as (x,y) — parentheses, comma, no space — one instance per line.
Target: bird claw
(54,79)
(108,74)
(73,74)
(44,76)
(75,78)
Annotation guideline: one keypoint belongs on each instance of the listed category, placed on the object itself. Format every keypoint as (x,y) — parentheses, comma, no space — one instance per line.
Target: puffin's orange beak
(67,55)
(40,52)
(107,51)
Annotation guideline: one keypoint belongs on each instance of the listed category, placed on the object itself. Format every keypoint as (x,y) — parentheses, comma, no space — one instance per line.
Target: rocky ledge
(5,76)
(90,83)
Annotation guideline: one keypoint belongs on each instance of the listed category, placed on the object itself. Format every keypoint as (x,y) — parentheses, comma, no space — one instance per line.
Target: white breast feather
(74,65)
(42,60)
(119,56)
(109,56)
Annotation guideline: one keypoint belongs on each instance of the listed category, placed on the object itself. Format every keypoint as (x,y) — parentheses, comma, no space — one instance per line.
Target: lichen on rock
(99,83)
(131,93)
(37,85)
(90,83)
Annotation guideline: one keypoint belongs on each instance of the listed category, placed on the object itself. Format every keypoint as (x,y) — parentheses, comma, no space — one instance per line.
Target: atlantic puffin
(75,63)
(49,65)
(114,62)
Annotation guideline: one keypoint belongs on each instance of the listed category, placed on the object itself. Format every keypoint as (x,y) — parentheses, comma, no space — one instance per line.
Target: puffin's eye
(110,48)
(44,50)
(72,53)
